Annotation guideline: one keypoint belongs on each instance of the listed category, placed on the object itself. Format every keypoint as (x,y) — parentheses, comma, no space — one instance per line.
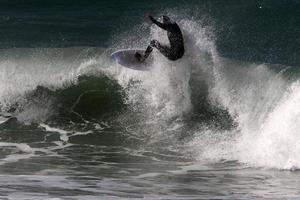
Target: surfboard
(126,58)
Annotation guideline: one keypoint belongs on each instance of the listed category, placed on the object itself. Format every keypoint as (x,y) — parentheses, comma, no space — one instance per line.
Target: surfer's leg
(146,54)
(165,50)
(148,51)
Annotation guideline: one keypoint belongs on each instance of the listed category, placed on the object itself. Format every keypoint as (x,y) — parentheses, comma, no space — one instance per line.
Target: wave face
(250,110)
(96,122)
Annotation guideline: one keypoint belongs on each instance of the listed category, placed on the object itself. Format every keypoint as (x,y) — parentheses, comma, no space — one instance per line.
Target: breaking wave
(211,107)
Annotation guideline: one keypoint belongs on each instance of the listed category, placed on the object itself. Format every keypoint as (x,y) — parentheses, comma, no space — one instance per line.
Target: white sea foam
(263,103)
(22,70)
(24,151)
(253,94)
(277,141)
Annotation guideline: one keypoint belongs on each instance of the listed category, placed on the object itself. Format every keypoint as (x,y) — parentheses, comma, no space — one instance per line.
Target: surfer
(176,49)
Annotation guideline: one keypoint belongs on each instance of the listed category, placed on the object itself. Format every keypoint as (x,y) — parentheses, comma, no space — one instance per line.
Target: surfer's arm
(161,25)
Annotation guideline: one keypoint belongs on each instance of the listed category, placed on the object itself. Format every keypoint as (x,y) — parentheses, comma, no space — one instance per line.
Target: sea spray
(160,100)
(276,142)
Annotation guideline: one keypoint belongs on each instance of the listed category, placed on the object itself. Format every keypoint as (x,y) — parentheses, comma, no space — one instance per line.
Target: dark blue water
(264,31)
(220,123)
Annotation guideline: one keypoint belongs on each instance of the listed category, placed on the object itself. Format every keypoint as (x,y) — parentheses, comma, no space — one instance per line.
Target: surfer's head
(166,19)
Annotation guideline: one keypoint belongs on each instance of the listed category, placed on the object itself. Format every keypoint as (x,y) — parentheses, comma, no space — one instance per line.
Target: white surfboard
(126,58)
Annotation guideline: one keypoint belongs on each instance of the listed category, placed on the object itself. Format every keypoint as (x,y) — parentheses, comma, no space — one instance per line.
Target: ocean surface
(223,122)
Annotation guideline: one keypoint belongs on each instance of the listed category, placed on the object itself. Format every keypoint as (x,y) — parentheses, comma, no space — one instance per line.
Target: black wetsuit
(176,48)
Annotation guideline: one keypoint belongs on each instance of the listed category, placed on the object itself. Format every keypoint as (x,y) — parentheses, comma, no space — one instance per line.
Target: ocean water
(223,122)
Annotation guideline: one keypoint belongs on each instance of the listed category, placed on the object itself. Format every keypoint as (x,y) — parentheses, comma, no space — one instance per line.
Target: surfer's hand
(149,17)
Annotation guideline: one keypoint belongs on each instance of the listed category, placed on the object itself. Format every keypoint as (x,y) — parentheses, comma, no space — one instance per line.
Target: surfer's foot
(139,57)
(154,43)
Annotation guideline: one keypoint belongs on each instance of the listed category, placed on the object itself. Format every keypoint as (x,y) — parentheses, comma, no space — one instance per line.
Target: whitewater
(76,125)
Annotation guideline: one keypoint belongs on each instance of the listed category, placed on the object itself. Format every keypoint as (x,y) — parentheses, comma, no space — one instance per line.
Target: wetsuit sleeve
(161,25)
